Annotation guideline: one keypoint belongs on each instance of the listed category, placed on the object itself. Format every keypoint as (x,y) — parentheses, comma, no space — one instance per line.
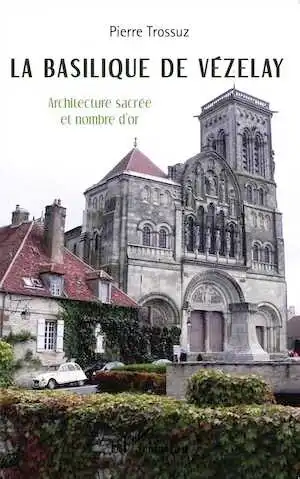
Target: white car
(162,361)
(113,365)
(67,373)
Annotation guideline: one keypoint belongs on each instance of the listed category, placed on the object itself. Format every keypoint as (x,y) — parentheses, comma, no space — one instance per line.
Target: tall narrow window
(146,236)
(221,226)
(267,254)
(162,239)
(249,194)
(201,227)
(190,234)
(50,335)
(211,225)
(259,164)
(222,143)
(255,252)
(246,151)
(261,196)
(232,242)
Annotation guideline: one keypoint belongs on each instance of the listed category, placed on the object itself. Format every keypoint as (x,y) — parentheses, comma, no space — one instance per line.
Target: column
(178,232)
(184,339)
(206,333)
(243,345)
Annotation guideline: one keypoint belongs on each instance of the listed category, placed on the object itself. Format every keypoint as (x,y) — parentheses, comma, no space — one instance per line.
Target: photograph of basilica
(201,245)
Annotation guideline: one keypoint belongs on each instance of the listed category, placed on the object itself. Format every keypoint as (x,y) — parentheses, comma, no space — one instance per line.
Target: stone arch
(268,323)
(230,289)
(164,308)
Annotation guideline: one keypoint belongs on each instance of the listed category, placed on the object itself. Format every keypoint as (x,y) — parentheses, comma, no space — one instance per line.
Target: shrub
(120,381)
(142,436)
(6,364)
(145,367)
(217,388)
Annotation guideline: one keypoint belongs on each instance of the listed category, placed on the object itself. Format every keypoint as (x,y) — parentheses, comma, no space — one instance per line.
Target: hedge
(217,388)
(149,437)
(120,381)
(145,367)
(6,364)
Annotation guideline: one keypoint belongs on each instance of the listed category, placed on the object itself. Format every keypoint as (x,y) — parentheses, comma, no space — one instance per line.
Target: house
(293,331)
(36,271)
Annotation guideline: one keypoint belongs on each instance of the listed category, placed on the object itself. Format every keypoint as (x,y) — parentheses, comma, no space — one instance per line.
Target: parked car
(162,361)
(112,365)
(108,367)
(96,366)
(67,373)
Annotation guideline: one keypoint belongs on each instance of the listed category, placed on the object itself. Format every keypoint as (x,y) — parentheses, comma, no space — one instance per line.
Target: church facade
(195,245)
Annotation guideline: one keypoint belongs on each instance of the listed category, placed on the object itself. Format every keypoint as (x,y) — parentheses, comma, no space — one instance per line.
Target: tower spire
(135,142)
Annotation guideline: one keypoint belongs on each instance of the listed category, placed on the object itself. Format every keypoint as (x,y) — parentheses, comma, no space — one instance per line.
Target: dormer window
(56,287)
(104,291)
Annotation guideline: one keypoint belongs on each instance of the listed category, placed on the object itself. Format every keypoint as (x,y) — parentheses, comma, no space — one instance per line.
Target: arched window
(201,225)
(222,144)
(97,242)
(95,203)
(259,164)
(162,238)
(249,194)
(146,236)
(190,234)
(211,225)
(232,242)
(146,194)
(255,252)
(261,197)
(221,226)
(267,255)
(246,150)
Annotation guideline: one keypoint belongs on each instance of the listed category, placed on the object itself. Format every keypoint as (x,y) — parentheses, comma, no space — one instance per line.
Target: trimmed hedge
(6,364)
(210,387)
(120,381)
(145,368)
(141,436)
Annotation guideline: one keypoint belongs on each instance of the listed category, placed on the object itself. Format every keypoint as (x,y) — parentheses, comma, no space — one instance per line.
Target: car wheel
(52,384)
(80,383)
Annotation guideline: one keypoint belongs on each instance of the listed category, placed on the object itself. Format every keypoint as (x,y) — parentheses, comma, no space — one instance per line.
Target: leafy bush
(145,367)
(217,388)
(6,363)
(142,436)
(120,381)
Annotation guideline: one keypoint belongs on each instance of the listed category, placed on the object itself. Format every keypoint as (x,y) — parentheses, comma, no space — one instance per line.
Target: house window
(146,236)
(162,238)
(50,335)
(105,292)
(56,287)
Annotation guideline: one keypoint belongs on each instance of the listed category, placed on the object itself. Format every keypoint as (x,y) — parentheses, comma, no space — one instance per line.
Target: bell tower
(238,127)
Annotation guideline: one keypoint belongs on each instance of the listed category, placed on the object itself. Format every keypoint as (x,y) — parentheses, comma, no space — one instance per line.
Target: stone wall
(284,376)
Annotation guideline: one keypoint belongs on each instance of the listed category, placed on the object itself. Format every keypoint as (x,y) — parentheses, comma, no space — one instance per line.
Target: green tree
(6,364)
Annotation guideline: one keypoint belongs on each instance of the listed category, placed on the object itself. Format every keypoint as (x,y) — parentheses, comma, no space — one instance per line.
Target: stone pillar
(184,339)
(206,334)
(243,345)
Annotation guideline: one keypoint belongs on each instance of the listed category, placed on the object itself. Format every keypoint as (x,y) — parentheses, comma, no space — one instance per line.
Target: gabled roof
(136,161)
(23,255)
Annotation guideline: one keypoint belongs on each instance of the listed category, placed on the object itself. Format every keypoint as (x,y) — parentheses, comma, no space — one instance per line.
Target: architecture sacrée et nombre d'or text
(204,242)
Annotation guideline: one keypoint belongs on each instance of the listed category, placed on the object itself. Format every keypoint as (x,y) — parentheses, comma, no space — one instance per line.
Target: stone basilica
(202,246)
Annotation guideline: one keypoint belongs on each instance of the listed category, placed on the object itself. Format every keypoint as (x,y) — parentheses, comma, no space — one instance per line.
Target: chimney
(54,231)
(19,216)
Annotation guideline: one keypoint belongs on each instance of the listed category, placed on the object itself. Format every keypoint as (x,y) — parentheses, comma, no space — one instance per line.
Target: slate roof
(136,161)
(23,255)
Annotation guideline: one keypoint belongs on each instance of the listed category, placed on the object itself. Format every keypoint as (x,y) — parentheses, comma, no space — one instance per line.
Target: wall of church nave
(145,280)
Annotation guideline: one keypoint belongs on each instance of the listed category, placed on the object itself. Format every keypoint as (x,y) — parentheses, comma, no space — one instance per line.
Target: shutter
(40,339)
(60,336)
(99,340)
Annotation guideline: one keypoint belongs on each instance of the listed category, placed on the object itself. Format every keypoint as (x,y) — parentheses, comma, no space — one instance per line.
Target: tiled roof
(23,255)
(136,161)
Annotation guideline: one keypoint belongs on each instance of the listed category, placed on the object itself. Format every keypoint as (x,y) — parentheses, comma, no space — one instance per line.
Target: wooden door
(215,325)
(197,331)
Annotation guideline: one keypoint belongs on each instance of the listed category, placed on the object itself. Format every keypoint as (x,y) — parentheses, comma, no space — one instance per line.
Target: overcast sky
(42,160)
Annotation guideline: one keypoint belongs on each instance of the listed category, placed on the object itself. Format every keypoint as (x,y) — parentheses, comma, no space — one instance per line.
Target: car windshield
(54,367)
